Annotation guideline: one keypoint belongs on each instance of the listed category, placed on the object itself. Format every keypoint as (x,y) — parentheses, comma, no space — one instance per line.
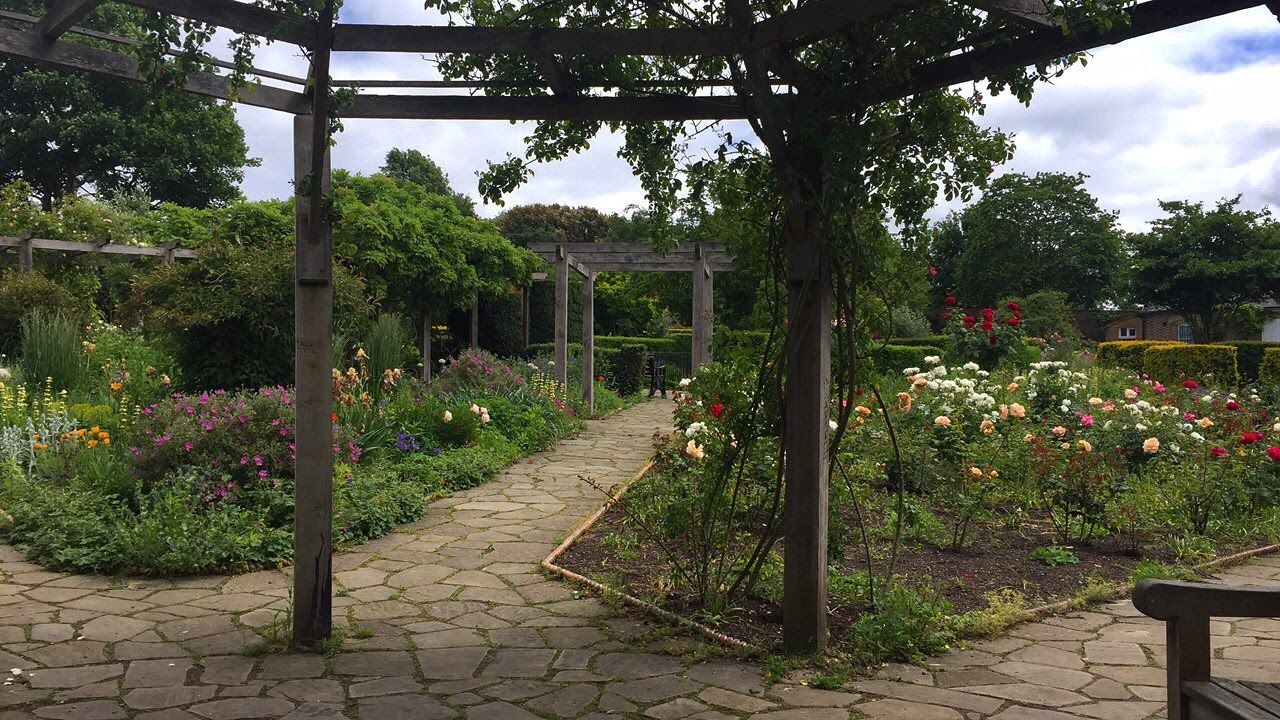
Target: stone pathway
(455,621)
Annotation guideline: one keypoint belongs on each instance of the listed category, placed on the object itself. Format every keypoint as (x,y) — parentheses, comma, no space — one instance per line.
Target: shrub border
(1035,614)
(549,565)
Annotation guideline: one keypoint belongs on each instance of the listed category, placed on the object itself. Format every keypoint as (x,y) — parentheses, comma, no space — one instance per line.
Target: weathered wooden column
(26,254)
(808,395)
(426,347)
(313,359)
(562,316)
(703,309)
(589,342)
(475,322)
(166,253)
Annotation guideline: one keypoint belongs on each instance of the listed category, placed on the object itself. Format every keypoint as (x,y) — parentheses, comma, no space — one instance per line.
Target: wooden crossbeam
(546,107)
(534,41)
(238,17)
(1044,45)
(820,18)
(107,248)
(62,16)
(583,248)
(1031,13)
(72,56)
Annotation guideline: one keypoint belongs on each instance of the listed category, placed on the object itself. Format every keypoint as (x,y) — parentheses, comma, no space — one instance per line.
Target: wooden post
(1189,651)
(166,257)
(26,256)
(589,343)
(426,347)
(475,322)
(805,413)
(313,360)
(703,309)
(562,316)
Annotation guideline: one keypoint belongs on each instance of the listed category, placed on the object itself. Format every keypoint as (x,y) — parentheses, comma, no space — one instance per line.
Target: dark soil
(998,557)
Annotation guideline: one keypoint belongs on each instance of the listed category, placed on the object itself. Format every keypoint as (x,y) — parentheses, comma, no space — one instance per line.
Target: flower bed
(203,482)
(966,498)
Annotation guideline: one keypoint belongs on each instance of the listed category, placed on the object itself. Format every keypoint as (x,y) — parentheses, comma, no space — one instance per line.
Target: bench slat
(1254,695)
(1270,690)
(1214,695)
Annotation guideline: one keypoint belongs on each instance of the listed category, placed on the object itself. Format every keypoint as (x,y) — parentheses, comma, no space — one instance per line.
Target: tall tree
(1033,233)
(1200,262)
(64,132)
(413,167)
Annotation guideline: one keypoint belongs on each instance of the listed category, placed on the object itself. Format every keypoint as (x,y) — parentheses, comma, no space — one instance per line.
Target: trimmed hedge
(1269,370)
(1249,356)
(628,370)
(1176,362)
(894,358)
(1127,354)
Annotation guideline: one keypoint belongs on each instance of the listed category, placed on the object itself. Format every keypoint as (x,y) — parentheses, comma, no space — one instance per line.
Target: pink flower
(1188,417)
(1158,388)
(188,446)
(1086,420)
(1218,452)
(244,460)
(262,473)
(257,460)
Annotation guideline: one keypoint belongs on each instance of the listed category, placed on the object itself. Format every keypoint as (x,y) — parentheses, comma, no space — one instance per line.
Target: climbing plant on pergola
(644,66)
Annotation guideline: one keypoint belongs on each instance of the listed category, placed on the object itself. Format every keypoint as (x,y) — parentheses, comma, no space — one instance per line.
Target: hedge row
(1171,362)
(894,358)
(1249,356)
(1127,354)
(1269,369)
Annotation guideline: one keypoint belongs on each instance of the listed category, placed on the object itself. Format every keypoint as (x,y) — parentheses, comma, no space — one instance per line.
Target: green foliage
(145,373)
(906,626)
(386,344)
(909,323)
(627,373)
(986,339)
(936,341)
(51,349)
(893,358)
(1249,356)
(461,468)
(1198,261)
(1127,354)
(369,502)
(1054,555)
(1047,315)
(24,293)
(1024,224)
(1148,569)
(1269,370)
(1214,364)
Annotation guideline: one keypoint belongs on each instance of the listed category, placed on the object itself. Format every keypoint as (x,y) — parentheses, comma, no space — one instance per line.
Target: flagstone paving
(456,621)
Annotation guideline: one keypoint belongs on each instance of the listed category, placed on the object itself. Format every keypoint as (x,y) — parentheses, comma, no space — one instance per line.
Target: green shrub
(145,372)
(1269,370)
(725,342)
(66,529)
(936,341)
(891,359)
(1171,363)
(1055,555)
(907,626)
(1249,354)
(368,502)
(456,426)
(24,293)
(1127,354)
(475,372)
(51,349)
(460,468)
(628,370)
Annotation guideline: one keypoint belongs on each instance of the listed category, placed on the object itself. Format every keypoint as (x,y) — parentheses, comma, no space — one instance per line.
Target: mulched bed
(998,557)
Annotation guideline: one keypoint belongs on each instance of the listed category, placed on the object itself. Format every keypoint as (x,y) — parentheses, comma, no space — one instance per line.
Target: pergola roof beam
(62,16)
(532,41)
(1031,13)
(238,17)
(72,56)
(547,107)
(820,18)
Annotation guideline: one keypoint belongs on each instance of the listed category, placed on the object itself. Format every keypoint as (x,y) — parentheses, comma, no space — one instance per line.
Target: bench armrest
(1170,600)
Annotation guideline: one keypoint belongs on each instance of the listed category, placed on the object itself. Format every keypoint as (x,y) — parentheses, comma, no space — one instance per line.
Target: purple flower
(262,473)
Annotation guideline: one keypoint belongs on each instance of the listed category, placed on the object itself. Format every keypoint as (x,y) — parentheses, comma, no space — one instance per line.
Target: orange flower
(115,386)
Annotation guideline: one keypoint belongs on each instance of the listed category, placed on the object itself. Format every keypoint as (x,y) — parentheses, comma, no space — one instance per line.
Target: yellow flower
(1205,422)
(975,471)
(1066,446)
(694,450)
(1059,431)
(106,441)
(993,473)
(1095,401)
(1084,445)
(361,354)
(1151,446)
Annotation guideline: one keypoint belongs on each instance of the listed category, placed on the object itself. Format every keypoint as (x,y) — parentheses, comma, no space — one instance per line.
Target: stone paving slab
(457,622)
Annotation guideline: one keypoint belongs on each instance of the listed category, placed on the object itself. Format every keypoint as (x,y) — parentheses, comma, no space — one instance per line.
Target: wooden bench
(1186,608)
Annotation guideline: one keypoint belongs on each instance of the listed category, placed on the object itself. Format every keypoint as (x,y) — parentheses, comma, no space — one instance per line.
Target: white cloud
(1184,114)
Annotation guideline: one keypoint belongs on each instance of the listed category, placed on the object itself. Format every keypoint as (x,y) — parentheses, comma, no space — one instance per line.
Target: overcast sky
(1191,113)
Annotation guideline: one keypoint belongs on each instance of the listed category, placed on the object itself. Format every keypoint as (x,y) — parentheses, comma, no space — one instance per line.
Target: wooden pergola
(28,244)
(1030,35)
(701,260)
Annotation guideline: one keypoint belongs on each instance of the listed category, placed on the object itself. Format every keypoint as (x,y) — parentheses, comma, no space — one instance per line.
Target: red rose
(950,300)
(1190,384)
(717,410)
(946,315)
(988,313)
(1233,405)
(933,271)
(993,339)
(986,326)
(1218,452)
(969,321)
(1274,453)
(1250,438)
(1013,306)
(599,378)
(1015,321)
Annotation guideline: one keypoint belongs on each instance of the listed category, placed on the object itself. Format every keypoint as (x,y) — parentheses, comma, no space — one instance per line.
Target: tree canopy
(1030,233)
(413,167)
(1200,262)
(62,132)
